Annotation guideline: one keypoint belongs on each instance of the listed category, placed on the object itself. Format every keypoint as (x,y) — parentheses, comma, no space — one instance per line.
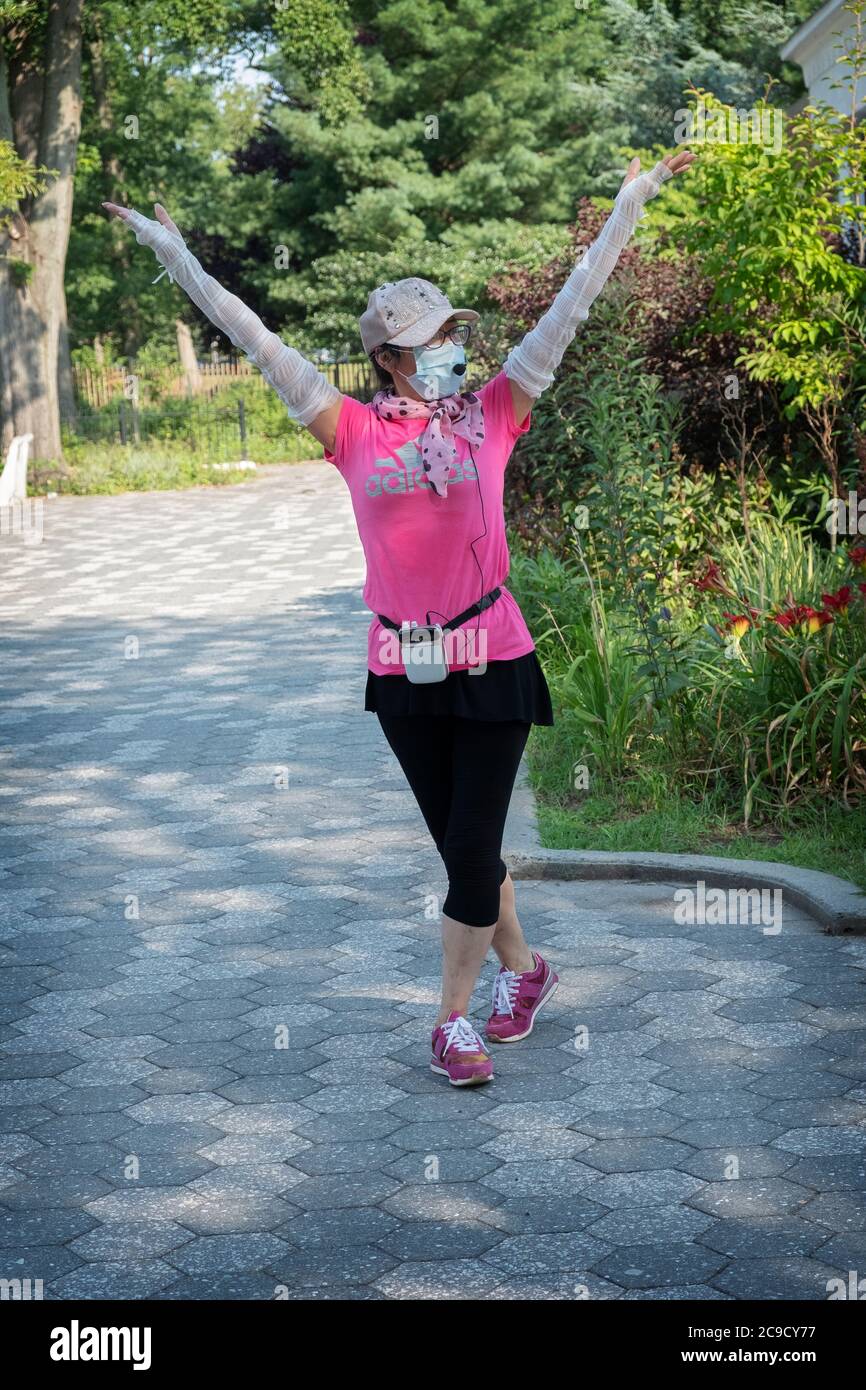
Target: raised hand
(129,215)
(163,236)
(672,164)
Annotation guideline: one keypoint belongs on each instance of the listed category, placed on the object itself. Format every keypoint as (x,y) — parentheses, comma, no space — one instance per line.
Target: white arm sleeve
(533,362)
(305,391)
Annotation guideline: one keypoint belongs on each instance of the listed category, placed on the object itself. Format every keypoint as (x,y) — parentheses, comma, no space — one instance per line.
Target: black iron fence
(215,421)
(209,426)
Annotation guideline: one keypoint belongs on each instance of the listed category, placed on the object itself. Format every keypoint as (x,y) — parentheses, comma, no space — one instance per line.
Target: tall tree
(40,107)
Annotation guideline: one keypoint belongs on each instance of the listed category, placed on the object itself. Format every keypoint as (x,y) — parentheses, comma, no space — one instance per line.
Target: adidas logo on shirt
(412,476)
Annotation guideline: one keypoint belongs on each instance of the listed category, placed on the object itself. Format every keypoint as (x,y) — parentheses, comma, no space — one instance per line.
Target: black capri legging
(462,772)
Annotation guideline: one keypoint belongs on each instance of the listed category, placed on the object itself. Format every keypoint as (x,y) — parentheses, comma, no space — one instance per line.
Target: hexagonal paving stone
(130,1241)
(846,1251)
(238,1180)
(555,1287)
(20,1229)
(838,1210)
(554,1143)
(241,1210)
(275,1118)
(173,1109)
(454,1166)
(168,1138)
(732,1132)
(690,1293)
(779,1278)
(548,1178)
(830,1172)
(573,1251)
(353,1157)
(715,1165)
(257,1288)
(635,1155)
(437,1279)
(45,1262)
(649,1225)
(219,1255)
(440,1240)
(315,1267)
(348,1125)
(113,1279)
(659,1266)
(441,1135)
(652,1187)
(322,1193)
(59,1190)
(823,1139)
(744,1197)
(46,1159)
(317,1230)
(759,1237)
(438,1201)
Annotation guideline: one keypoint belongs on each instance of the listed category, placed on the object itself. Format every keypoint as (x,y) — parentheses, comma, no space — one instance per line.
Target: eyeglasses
(459,335)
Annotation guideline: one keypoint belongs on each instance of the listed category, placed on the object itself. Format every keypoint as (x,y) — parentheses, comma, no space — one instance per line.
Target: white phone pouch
(422,650)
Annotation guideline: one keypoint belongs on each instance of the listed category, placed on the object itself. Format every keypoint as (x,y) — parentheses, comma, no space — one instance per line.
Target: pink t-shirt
(417,544)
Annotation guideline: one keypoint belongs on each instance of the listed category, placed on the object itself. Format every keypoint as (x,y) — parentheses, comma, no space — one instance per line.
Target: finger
(117,210)
(632,171)
(163,217)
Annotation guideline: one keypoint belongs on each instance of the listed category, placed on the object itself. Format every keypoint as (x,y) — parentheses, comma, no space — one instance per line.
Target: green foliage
(649,813)
(105,469)
(18,180)
(333,294)
(787,700)
(769,715)
(728,46)
(765,239)
(372,148)
(317,39)
(603,692)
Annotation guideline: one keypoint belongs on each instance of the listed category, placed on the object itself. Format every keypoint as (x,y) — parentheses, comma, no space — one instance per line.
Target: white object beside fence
(13,479)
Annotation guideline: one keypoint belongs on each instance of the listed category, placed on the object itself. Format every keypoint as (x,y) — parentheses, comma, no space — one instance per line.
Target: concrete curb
(839,906)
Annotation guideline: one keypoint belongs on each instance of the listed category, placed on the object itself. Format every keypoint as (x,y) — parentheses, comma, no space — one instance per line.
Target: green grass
(650,814)
(92,468)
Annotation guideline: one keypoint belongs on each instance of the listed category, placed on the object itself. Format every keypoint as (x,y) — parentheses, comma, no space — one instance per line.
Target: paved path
(209,852)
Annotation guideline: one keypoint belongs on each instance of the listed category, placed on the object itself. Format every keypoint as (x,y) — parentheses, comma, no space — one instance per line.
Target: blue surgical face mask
(439,371)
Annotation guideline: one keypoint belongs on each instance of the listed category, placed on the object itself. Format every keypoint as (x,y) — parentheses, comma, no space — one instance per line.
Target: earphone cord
(472,543)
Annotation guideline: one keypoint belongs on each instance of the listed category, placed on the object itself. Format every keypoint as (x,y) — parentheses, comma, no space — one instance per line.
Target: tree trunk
(45,113)
(128,309)
(186,353)
(65,380)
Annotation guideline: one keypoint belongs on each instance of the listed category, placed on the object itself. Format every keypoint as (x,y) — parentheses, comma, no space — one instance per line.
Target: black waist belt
(477,607)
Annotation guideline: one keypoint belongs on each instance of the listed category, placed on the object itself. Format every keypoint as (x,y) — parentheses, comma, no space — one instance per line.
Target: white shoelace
(460,1035)
(505,988)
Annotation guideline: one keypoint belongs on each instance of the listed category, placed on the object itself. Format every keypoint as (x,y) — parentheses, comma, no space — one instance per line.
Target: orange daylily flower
(737,623)
(801,616)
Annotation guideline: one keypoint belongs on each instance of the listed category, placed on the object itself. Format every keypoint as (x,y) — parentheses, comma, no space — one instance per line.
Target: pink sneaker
(517,999)
(459,1053)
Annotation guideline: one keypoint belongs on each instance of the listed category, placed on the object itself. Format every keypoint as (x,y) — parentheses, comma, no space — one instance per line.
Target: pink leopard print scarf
(452,415)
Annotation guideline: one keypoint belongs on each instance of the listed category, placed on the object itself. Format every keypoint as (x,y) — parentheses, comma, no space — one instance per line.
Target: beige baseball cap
(407,313)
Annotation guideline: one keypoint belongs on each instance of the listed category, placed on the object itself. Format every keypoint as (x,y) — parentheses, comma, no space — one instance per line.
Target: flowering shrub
(785,685)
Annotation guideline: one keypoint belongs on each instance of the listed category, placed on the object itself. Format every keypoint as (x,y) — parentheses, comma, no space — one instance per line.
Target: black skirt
(515,689)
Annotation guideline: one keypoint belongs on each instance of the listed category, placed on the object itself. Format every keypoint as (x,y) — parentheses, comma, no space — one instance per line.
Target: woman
(425,463)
